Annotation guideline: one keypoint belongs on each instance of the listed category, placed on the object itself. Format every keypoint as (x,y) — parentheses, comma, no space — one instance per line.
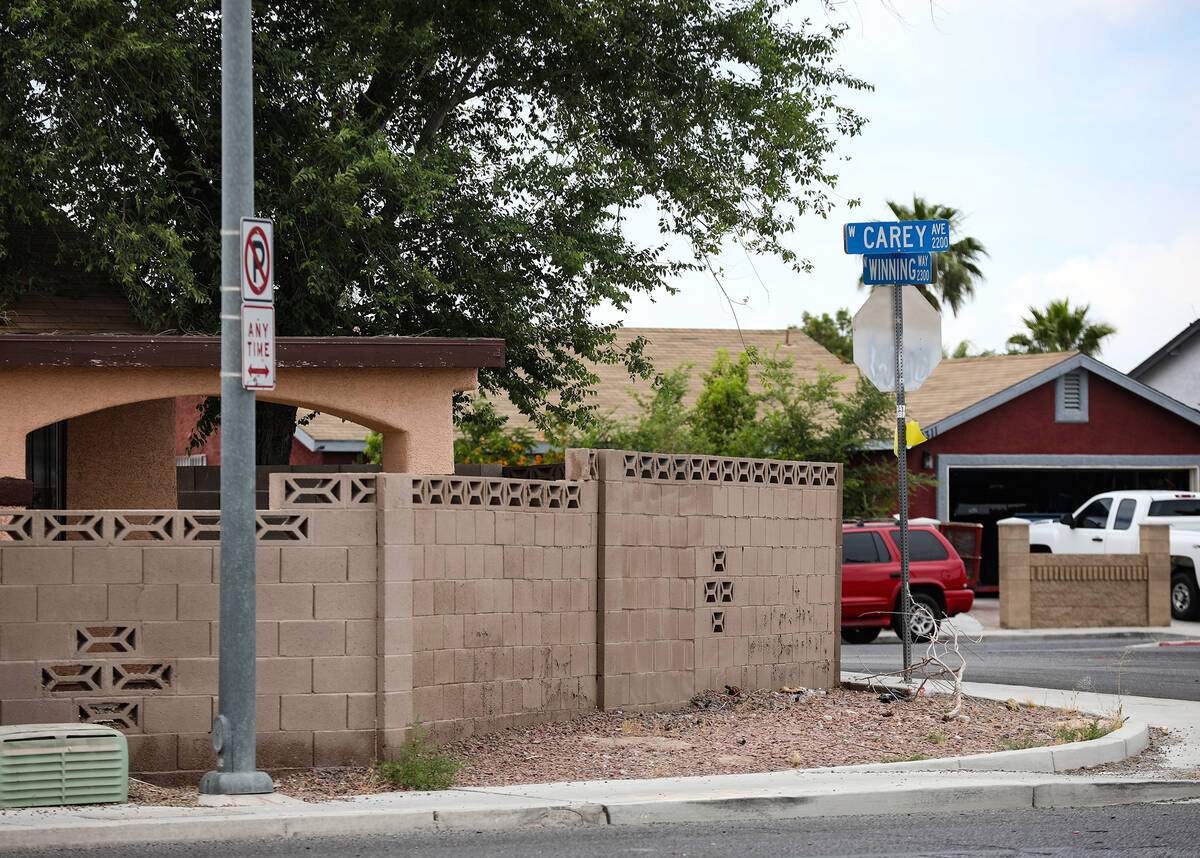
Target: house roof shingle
(668,348)
(958,384)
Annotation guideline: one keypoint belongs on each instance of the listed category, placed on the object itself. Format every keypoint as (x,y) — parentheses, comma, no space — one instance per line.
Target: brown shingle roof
(668,348)
(958,384)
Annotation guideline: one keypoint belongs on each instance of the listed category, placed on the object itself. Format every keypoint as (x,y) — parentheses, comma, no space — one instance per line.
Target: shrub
(1093,729)
(418,764)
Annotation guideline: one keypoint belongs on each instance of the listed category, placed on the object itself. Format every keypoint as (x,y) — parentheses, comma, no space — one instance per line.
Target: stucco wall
(470,603)
(122,457)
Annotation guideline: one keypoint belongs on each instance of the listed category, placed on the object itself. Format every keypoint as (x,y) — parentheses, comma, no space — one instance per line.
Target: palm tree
(1060,328)
(956,268)
(965,349)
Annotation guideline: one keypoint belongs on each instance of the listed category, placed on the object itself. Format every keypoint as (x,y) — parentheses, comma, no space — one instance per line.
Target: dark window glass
(1183,506)
(1095,515)
(859,547)
(1124,514)
(922,545)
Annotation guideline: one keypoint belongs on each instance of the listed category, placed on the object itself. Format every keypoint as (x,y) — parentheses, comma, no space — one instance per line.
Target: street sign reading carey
(883,269)
(906,236)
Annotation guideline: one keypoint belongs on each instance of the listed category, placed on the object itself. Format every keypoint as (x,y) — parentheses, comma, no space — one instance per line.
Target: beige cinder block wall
(471,604)
(499,576)
(113,617)
(713,572)
(1040,591)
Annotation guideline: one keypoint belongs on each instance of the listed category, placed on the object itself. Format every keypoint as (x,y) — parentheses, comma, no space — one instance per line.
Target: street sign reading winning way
(884,269)
(907,236)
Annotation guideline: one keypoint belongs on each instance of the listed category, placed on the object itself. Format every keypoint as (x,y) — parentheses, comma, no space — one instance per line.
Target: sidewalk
(1005,780)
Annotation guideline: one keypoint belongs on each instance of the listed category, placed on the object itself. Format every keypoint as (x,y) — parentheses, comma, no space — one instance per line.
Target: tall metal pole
(902,476)
(233,728)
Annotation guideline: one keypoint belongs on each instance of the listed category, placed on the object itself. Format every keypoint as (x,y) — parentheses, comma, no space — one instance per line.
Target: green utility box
(43,764)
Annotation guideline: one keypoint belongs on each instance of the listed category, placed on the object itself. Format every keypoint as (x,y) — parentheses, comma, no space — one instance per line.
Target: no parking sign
(258,276)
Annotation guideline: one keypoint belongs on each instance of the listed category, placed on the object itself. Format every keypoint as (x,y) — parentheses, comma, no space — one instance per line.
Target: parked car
(871,580)
(1108,524)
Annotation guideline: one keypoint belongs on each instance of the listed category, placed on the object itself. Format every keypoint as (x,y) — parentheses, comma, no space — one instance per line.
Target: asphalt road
(1133,831)
(1108,665)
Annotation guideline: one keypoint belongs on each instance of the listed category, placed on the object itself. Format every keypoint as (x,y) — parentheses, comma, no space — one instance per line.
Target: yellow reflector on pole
(912,434)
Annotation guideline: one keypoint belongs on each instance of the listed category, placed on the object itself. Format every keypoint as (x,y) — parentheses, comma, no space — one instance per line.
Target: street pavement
(1010,780)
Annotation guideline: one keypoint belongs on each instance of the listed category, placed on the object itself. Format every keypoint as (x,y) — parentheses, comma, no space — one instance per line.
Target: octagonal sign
(874,343)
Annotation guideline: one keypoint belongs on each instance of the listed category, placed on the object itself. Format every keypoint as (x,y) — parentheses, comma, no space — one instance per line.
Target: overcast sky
(1067,131)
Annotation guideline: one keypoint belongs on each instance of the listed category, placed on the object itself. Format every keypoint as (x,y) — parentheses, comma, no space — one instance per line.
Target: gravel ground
(719,733)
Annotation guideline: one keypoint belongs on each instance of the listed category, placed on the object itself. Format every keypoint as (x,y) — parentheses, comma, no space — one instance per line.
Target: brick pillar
(394,624)
(612,646)
(1155,542)
(1016,606)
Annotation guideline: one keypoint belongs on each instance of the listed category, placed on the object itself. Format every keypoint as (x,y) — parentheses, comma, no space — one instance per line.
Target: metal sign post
(233,728)
(898,253)
(902,476)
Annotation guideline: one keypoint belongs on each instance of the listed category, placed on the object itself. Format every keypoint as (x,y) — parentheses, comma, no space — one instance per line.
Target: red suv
(871,580)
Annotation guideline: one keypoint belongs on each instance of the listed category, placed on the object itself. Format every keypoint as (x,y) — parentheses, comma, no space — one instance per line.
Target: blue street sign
(905,236)
(894,268)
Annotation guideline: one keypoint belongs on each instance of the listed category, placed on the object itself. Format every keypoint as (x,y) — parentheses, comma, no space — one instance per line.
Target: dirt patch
(718,733)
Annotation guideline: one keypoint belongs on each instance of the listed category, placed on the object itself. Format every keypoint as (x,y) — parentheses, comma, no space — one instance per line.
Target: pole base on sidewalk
(236,783)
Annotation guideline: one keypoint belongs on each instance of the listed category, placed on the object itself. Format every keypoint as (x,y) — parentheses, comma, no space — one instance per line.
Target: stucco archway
(403,386)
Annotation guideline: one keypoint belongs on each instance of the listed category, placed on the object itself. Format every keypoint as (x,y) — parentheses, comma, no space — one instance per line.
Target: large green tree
(1059,327)
(449,168)
(957,269)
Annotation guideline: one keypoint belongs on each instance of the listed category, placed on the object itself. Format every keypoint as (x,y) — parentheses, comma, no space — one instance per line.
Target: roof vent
(1071,397)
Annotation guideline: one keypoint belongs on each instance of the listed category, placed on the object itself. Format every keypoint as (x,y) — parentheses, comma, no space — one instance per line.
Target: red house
(1015,434)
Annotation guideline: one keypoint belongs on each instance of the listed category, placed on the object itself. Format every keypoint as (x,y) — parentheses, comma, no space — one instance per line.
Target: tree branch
(458,96)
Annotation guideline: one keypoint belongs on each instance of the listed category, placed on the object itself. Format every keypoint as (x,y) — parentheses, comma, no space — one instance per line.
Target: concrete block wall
(1083,590)
(714,572)
(468,603)
(113,618)
(503,601)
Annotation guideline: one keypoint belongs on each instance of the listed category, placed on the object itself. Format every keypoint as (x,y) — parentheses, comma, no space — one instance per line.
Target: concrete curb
(1126,741)
(82,830)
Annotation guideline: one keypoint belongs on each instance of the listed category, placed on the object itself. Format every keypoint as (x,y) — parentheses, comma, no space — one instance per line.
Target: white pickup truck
(1108,524)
